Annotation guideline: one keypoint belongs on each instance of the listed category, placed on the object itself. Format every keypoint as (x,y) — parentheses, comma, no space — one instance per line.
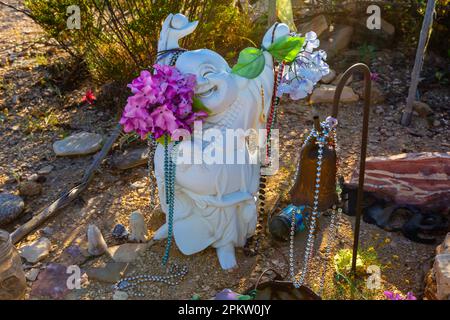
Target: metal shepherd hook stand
(362,163)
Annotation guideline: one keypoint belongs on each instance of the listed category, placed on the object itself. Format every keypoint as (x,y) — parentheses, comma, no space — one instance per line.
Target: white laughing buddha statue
(215,204)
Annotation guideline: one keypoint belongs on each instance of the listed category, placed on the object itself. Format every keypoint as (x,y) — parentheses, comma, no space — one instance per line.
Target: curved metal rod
(362,164)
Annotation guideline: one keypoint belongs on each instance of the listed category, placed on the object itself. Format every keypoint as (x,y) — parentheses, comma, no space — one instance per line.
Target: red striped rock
(421,179)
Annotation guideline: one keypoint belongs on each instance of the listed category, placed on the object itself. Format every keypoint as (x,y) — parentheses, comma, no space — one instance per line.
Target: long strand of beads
(171,199)
(298,281)
(175,275)
(313,219)
(267,162)
(293,222)
(333,228)
(153,199)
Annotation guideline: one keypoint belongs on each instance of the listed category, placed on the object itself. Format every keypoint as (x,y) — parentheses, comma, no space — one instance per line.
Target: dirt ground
(35,112)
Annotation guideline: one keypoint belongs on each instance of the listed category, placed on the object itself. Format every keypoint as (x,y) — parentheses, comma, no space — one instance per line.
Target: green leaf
(197,105)
(250,63)
(286,48)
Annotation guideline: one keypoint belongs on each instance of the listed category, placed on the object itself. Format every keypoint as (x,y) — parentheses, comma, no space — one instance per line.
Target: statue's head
(216,86)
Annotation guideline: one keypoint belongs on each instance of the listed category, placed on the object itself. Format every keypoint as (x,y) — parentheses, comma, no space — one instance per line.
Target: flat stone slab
(131,158)
(11,206)
(111,272)
(127,252)
(325,94)
(420,179)
(51,283)
(78,144)
(36,251)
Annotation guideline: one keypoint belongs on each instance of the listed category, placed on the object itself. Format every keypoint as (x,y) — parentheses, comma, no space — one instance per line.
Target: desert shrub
(119,37)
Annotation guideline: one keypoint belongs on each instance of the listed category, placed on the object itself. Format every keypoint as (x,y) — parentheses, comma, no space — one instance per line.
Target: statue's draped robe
(215,204)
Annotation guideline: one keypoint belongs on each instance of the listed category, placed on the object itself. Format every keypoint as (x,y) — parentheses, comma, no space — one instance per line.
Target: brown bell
(302,192)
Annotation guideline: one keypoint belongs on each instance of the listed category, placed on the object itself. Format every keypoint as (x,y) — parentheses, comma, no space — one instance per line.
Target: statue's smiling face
(216,87)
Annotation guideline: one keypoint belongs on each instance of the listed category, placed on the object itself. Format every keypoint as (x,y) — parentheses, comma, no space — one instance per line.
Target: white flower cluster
(300,77)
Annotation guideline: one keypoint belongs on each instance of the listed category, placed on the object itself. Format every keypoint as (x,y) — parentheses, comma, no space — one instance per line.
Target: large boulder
(337,40)
(318,24)
(421,179)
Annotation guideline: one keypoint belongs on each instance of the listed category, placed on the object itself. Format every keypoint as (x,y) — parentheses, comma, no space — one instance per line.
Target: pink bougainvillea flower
(164,120)
(89,97)
(162,102)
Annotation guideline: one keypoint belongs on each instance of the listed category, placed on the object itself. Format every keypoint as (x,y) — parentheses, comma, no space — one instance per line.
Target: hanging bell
(304,187)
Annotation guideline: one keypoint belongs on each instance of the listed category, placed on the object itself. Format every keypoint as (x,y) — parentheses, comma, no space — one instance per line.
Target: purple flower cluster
(395,296)
(161,103)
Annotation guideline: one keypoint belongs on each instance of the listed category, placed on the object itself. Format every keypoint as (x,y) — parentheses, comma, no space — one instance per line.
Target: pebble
(45,170)
(120,295)
(127,252)
(29,188)
(32,274)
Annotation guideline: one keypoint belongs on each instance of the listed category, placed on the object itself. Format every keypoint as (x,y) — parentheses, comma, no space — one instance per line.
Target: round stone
(11,206)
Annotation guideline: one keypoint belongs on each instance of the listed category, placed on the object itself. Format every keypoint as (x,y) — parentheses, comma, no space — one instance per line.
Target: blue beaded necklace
(169,184)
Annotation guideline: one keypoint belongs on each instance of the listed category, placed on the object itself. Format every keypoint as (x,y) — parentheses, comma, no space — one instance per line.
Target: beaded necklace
(328,131)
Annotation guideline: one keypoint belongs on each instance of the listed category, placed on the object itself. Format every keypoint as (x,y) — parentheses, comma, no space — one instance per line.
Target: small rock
(36,251)
(325,94)
(45,170)
(422,108)
(78,144)
(47,231)
(96,244)
(111,272)
(379,110)
(138,185)
(120,295)
(34,177)
(127,252)
(11,206)
(444,247)
(436,123)
(329,77)
(442,272)
(32,274)
(138,227)
(130,159)
(30,188)
(120,232)
(74,255)
(376,93)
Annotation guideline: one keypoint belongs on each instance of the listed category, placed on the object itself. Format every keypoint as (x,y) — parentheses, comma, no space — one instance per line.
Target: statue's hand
(174,28)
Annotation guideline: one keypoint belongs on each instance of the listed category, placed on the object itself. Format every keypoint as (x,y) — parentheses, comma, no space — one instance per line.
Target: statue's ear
(241,81)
